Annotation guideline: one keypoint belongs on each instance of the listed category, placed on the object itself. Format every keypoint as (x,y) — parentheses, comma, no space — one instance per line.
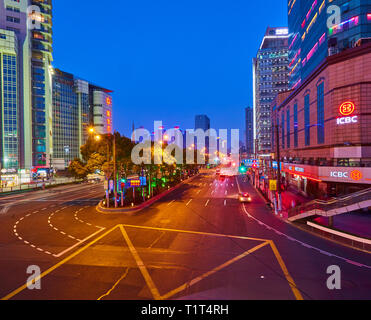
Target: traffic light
(243,169)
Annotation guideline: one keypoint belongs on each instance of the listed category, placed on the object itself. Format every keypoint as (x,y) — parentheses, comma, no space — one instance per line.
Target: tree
(78,169)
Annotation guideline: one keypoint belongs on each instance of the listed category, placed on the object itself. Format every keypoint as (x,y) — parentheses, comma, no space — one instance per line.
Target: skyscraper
(270,72)
(202,122)
(26,46)
(9,84)
(249,139)
(77,106)
(311,37)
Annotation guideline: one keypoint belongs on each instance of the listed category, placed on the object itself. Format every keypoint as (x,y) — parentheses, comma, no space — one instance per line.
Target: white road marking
(170,202)
(207,202)
(77,244)
(225,202)
(189,202)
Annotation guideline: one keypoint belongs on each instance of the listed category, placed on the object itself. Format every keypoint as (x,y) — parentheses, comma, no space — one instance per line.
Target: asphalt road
(198,242)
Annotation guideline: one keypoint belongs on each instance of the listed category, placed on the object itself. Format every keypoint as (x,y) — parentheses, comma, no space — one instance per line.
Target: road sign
(273,185)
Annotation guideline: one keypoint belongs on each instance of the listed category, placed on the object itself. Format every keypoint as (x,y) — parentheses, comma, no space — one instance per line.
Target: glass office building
(316,34)
(77,106)
(66,144)
(41,59)
(9,116)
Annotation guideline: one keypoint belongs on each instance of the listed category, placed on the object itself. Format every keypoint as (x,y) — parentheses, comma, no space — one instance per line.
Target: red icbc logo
(347,108)
(356,175)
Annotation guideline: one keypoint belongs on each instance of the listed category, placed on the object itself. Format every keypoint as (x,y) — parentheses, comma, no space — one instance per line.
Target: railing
(37,185)
(321,207)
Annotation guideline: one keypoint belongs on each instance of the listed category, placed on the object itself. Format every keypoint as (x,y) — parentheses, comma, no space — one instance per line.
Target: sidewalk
(292,198)
(356,223)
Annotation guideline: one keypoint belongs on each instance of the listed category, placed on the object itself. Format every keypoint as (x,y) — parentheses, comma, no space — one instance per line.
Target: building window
(321,114)
(296,137)
(307,119)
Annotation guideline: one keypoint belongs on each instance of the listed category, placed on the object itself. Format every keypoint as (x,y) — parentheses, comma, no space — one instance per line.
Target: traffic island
(135,209)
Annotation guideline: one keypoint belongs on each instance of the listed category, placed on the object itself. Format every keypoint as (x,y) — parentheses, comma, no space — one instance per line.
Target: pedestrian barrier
(355,201)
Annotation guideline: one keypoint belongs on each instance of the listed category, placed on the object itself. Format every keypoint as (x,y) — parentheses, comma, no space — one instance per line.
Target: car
(244,197)
(217,171)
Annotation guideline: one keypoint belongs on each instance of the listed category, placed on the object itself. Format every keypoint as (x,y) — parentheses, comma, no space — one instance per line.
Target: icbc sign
(346,110)
(355,175)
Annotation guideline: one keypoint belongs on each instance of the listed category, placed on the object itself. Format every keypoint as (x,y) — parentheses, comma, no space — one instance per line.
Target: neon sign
(355,175)
(346,110)
(108,101)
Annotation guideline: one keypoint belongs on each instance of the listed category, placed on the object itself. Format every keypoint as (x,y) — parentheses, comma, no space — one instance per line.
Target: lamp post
(278,168)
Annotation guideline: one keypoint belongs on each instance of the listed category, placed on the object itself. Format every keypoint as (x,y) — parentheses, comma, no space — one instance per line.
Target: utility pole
(114,168)
(278,167)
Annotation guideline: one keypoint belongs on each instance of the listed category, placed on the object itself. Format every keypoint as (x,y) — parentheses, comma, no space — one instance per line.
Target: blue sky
(166,59)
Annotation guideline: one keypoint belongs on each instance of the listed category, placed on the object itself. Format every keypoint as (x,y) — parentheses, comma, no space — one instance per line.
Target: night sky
(166,59)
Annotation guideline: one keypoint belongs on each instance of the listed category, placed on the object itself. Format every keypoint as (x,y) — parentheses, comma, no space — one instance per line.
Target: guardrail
(335,206)
(37,185)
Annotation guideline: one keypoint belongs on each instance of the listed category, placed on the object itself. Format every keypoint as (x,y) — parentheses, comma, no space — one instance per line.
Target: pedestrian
(293,204)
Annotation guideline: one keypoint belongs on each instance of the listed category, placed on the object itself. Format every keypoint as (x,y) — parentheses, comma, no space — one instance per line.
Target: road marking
(289,279)
(298,241)
(26,285)
(215,270)
(77,244)
(207,202)
(115,285)
(155,293)
(170,203)
(225,202)
(189,202)
(226,192)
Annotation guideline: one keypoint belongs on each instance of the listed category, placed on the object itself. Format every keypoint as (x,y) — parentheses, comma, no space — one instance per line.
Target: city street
(198,242)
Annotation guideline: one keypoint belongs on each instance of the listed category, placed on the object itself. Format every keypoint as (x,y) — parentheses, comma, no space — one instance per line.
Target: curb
(134,210)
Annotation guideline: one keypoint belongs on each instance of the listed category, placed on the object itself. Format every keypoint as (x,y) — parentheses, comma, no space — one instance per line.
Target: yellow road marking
(209,273)
(289,279)
(142,267)
(195,232)
(25,286)
(115,285)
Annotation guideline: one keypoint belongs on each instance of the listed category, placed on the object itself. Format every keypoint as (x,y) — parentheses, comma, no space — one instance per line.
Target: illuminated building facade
(270,73)
(101,102)
(316,34)
(28,137)
(325,126)
(77,106)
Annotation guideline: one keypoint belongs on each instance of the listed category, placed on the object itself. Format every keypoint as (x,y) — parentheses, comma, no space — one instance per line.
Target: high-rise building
(26,46)
(249,131)
(202,122)
(9,84)
(315,34)
(77,106)
(270,72)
